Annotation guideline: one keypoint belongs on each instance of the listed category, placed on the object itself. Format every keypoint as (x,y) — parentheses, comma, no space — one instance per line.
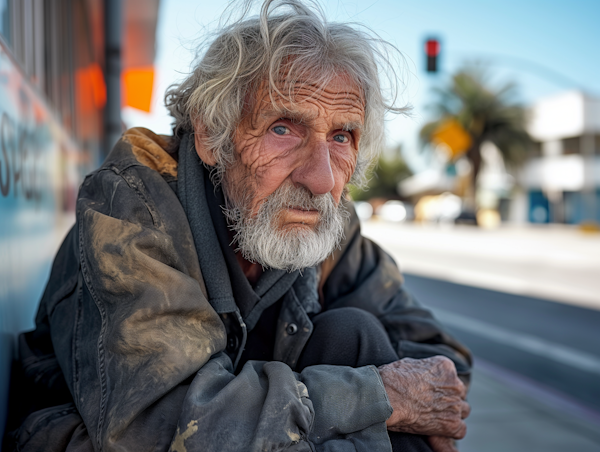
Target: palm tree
(384,177)
(487,113)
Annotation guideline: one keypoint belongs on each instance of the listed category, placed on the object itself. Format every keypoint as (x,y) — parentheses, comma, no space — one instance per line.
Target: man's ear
(205,154)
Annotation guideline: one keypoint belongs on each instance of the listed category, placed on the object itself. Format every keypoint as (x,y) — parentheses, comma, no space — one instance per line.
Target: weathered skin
(312,142)
(428,399)
(317,150)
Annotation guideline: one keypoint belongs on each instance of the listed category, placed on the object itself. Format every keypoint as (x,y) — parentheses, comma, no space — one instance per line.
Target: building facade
(562,178)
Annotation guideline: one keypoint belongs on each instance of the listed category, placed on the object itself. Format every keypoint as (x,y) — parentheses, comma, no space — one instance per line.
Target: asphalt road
(555,344)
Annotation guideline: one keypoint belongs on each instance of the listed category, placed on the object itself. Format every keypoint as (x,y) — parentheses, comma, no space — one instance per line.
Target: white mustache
(260,240)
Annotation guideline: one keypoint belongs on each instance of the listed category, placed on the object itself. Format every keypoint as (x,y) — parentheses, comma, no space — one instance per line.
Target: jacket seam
(100,343)
(76,340)
(136,183)
(136,164)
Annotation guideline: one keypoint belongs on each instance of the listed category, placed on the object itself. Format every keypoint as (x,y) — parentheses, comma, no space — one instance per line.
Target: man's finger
(461,431)
(465,410)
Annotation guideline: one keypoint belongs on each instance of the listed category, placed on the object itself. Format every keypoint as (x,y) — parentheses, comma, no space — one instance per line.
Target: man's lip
(303,210)
(303,216)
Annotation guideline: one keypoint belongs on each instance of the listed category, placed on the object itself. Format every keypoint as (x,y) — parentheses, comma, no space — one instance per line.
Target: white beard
(262,241)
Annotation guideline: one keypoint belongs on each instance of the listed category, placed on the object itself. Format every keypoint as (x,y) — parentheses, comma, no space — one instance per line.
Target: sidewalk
(552,262)
(510,414)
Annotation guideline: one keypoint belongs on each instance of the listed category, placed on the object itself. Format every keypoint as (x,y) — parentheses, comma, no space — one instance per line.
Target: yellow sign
(451,134)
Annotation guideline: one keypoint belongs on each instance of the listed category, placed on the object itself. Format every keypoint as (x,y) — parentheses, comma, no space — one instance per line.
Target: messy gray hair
(288,37)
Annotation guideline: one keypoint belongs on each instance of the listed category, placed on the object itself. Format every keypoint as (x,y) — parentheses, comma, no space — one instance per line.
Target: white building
(562,179)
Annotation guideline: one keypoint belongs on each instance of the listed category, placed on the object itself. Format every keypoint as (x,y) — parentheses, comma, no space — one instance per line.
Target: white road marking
(525,342)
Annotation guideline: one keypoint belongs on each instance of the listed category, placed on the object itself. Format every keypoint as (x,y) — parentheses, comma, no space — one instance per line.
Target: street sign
(452,135)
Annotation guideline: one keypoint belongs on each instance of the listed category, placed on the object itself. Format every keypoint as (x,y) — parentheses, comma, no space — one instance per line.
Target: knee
(347,337)
(347,323)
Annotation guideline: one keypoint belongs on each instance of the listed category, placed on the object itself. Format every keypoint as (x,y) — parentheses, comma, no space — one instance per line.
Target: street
(537,358)
(552,343)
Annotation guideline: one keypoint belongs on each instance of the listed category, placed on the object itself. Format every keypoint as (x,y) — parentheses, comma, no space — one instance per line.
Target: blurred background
(487,194)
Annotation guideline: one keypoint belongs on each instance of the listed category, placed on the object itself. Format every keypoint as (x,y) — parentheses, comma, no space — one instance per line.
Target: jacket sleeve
(366,277)
(141,347)
(267,406)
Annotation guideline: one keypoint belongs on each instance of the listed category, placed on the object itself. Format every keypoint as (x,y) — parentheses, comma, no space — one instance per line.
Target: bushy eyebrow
(295,116)
(305,118)
(352,125)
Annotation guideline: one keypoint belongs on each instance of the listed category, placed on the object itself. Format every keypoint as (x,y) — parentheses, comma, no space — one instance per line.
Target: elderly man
(215,293)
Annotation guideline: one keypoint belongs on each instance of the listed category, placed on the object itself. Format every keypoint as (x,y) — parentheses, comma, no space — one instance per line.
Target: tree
(384,178)
(487,113)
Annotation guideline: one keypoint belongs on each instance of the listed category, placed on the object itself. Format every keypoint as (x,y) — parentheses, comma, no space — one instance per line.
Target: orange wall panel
(137,84)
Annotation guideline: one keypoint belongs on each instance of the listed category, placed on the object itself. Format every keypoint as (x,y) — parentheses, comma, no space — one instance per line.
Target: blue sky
(544,46)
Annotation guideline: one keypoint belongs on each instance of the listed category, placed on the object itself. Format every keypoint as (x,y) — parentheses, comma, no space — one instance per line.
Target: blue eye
(280,130)
(340,138)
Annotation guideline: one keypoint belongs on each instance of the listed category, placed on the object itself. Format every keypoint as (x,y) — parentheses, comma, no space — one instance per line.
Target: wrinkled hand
(427,398)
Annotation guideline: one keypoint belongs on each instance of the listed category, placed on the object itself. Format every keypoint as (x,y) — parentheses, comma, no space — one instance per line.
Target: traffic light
(432,50)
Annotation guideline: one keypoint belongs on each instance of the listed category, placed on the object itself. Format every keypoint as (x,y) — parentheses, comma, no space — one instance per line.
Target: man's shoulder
(140,147)
(136,182)
(129,204)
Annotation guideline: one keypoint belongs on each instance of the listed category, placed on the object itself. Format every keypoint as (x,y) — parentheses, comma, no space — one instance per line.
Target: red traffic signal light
(432,50)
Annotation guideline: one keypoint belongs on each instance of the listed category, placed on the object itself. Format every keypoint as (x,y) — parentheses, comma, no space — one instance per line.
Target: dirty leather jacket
(128,352)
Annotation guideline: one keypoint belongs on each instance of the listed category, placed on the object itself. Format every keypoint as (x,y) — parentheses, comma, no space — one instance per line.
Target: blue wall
(539,207)
(576,207)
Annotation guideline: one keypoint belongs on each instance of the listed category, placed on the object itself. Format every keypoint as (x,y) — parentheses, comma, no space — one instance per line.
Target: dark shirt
(260,342)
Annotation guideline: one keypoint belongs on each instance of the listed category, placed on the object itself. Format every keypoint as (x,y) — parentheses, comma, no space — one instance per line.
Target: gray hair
(292,38)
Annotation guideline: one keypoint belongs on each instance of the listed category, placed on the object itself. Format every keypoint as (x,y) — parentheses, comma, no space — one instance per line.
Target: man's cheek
(248,152)
(343,165)
(261,154)
(342,173)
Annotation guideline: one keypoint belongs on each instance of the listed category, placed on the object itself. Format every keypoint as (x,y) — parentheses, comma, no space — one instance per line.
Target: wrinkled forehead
(305,100)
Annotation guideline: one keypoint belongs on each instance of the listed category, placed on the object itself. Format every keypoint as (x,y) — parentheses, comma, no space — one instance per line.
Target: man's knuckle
(448,365)
(457,409)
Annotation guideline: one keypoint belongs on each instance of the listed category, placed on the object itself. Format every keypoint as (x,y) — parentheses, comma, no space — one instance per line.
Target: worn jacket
(128,353)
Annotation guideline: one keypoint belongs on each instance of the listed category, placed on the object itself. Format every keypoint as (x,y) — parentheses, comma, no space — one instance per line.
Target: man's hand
(427,398)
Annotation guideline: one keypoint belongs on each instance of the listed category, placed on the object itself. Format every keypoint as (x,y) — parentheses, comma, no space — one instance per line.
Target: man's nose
(316,173)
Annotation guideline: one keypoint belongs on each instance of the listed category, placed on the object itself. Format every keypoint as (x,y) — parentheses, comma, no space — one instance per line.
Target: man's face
(293,161)
(312,144)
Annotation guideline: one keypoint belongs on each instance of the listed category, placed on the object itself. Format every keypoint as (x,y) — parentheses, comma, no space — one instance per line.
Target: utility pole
(113,31)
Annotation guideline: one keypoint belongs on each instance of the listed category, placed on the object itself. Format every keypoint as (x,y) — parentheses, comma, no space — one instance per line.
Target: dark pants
(353,337)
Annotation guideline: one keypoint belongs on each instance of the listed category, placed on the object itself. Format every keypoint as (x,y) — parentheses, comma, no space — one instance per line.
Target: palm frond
(488,112)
